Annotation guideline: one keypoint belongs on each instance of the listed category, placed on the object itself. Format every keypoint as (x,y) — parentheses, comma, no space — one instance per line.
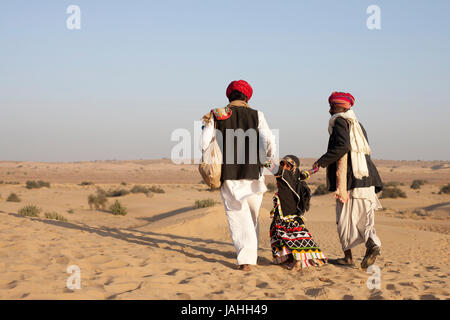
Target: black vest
(242,161)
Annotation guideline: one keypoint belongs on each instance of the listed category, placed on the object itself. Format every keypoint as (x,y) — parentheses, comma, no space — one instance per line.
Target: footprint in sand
(13,284)
(62,260)
(218,292)
(187,280)
(408,284)
(261,284)
(428,297)
(317,292)
(390,287)
(172,273)
(183,296)
(376,295)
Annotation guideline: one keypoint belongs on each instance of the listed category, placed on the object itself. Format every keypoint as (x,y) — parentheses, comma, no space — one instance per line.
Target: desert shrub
(71,211)
(13,198)
(204,203)
(118,209)
(31,184)
(321,190)
(271,186)
(392,184)
(97,201)
(445,189)
(123,183)
(140,189)
(416,184)
(116,193)
(55,216)
(30,211)
(393,192)
(1,181)
(86,183)
(156,189)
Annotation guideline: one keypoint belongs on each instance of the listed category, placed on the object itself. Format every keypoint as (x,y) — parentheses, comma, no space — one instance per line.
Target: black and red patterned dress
(289,236)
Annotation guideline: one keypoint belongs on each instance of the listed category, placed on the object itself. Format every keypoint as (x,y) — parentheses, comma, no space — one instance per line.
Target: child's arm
(306,174)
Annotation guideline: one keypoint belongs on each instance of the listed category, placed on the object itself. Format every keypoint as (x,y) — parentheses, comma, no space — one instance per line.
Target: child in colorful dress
(292,244)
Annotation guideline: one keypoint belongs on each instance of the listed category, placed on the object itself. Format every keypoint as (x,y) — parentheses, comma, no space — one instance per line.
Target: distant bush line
(392,192)
(204,203)
(445,189)
(31,184)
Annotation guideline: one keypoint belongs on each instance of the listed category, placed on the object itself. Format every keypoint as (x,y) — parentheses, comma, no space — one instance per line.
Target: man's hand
(316,166)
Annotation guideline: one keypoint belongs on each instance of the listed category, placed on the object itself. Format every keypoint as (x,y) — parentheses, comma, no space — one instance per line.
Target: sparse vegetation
(156,189)
(140,189)
(445,189)
(271,187)
(205,203)
(416,184)
(86,183)
(13,198)
(118,209)
(30,211)
(112,193)
(393,192)
(98,201)
(321,190)
(31,184)
(71,211)
(12,182)
(393,184)
(55,216)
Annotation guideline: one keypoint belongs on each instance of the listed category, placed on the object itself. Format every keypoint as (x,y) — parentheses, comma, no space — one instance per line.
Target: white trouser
(355,221)
(243,223)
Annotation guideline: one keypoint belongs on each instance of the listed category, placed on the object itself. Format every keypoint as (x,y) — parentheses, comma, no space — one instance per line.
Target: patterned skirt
(290,238)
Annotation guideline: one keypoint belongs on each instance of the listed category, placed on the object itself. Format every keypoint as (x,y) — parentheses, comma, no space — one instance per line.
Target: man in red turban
(353,177)
(242,178)
(241,86)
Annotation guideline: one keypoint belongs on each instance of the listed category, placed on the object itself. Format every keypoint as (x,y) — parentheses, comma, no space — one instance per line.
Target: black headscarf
(294,193)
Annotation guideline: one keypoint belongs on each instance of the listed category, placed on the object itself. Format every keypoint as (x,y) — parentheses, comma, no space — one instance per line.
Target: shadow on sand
(152,239)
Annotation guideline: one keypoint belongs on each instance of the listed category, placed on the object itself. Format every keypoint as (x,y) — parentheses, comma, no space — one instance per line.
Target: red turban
(341,99)
(241,86)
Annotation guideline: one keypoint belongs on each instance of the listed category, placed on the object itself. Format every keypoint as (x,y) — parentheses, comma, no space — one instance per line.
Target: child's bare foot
(244,267)
(296,266)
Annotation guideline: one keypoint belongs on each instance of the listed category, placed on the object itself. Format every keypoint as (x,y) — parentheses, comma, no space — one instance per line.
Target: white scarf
(358,143)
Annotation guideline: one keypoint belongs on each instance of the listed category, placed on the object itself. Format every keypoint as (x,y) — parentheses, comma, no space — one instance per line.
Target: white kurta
(356,218)
(242,198)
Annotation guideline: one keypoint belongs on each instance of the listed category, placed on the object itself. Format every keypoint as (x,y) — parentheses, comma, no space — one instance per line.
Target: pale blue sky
(137,70)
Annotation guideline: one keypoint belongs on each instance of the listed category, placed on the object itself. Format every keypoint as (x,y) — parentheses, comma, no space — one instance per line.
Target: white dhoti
(356,218)
(242,200)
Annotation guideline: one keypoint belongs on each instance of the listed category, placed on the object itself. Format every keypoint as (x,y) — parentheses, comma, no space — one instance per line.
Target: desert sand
(165,249)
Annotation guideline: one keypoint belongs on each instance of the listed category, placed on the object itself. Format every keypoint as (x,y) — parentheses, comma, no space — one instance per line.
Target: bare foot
(244,267)
(296,266)
(344,261)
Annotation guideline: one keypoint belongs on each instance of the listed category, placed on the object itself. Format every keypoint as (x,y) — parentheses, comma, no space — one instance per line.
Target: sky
(135,71)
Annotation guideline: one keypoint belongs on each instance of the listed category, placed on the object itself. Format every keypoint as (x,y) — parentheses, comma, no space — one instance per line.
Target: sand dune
(165,249)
